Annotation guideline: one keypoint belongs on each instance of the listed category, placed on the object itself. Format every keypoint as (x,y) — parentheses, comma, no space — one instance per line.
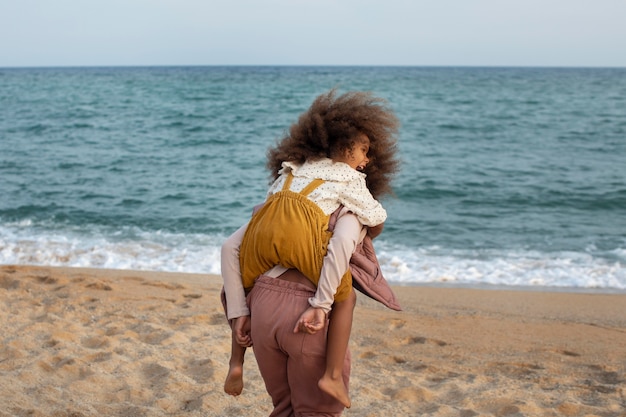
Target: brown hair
(332,126)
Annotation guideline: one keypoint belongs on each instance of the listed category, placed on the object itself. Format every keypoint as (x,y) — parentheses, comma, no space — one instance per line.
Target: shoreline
(393,284)
(502,287)
(88,342)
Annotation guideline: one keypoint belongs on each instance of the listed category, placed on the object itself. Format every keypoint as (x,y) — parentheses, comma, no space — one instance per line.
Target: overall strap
(287,183)
(312,186)
(306,190)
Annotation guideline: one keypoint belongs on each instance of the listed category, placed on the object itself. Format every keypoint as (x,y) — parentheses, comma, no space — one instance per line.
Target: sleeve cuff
(317,304)
(234,314)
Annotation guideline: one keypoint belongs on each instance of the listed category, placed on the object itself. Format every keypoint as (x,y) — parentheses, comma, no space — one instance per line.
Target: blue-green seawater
(510,176)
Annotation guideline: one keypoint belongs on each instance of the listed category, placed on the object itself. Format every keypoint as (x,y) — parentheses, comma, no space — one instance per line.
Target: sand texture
(86,342)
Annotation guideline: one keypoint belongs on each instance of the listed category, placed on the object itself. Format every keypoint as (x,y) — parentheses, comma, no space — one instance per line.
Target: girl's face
(357,156)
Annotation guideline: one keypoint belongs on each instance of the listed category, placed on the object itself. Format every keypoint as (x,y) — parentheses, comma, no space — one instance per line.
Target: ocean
(511,177)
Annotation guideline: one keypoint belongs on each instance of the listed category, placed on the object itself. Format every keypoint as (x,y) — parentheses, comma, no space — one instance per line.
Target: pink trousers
(290,363)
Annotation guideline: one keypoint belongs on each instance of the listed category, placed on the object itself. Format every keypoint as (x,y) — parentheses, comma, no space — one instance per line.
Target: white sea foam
(161,251)
(128,249)
(508,268)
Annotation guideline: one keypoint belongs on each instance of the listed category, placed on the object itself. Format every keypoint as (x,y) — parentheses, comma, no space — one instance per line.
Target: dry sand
(85,342)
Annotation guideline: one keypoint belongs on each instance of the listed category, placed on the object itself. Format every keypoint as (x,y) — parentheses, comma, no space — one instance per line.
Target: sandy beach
(87,342)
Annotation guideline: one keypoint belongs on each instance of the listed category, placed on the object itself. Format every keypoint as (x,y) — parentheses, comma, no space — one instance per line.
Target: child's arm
(241,330)
(231,273)
(337,260)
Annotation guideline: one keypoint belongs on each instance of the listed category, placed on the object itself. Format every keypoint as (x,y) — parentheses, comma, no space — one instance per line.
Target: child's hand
(375,230)
(242,331)
(311,321)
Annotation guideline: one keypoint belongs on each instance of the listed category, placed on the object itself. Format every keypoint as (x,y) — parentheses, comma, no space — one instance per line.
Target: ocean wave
(504,268)
(129,248)
(134,249)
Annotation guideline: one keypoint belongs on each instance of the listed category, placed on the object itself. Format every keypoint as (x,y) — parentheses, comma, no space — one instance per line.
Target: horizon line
(502,66)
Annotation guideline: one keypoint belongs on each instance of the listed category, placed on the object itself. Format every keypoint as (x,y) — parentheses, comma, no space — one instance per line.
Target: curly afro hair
(332,125)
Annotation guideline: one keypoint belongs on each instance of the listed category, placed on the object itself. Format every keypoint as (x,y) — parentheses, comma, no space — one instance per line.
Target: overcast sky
(313,32)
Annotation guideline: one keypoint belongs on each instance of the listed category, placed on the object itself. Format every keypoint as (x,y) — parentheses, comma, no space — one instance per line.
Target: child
(341,152)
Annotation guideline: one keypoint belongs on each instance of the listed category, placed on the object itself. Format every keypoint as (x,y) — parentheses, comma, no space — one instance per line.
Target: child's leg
(339,329)
(234,380)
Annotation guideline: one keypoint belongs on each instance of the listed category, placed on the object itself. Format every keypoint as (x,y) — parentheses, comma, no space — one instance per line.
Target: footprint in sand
(567,353)
(45,279)
(517,370)
(367,355)
(411,394)
(57,363)
(217,319)
(604,381)
(151,335)
(49,280)
(9,358)
(569,409)
(499,407)
(155,374)
(192,296)
(395,324)
(440,378)
(99,286)
(611,377)
(419,340)
(165,285)
(200,370)
(414,340)
(99,357)
(95,342)
(193,405)
(507,410)
(9,283)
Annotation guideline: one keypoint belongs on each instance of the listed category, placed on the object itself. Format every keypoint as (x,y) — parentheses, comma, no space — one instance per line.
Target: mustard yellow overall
(292,231)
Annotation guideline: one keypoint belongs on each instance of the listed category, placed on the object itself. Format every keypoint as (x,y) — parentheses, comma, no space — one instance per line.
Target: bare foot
(234,380)
(335,388)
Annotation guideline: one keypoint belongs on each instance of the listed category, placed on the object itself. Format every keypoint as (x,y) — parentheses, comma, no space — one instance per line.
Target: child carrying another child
(341,152)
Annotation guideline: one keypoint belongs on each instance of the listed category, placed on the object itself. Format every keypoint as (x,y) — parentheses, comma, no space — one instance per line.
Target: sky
(564,33)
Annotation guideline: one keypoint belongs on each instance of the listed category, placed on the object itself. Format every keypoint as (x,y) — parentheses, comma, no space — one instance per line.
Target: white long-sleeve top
(342,185)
